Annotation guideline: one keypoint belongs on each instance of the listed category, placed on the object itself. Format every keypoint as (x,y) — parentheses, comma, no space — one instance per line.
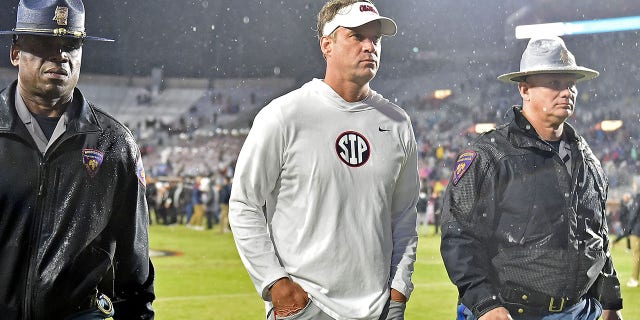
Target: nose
(369,45)
(59,54)
(569,91)
(61,49)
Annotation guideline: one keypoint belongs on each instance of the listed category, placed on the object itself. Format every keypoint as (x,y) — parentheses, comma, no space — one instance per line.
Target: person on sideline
(632,232)
(225,194)
(323,203)
(199,203)
(524,234)
(628,205)
(73,214)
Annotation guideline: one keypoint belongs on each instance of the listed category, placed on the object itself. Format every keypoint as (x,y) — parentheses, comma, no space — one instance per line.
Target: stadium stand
(196,126)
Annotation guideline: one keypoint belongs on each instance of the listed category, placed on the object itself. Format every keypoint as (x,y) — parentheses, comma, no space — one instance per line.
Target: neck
(45,107)
(349,90)
(547,130)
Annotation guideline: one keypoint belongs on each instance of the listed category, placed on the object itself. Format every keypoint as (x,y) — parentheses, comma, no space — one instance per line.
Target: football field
(206,279)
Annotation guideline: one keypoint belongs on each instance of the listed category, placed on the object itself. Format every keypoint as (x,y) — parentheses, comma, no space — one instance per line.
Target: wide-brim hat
(548,55)
(60,18)
(357,14)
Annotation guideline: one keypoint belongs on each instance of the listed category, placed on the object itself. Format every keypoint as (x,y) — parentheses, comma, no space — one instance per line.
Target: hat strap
(56,32)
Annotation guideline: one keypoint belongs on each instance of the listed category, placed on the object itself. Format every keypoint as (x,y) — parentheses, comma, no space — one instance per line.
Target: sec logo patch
(353,149)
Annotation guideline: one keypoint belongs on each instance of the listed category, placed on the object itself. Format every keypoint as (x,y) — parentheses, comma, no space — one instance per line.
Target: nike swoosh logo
(383,130)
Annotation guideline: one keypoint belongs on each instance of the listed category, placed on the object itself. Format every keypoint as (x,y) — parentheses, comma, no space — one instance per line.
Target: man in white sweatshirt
(323,204)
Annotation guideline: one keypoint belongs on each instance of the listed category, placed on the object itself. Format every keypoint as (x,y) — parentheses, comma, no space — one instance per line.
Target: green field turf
(208,281)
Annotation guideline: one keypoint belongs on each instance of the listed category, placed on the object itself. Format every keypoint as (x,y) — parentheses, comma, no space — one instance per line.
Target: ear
(523,88)
(15,55)
(326,46)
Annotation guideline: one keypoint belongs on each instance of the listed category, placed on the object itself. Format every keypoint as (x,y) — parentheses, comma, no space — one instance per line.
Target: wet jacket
(515,218)
(74,220)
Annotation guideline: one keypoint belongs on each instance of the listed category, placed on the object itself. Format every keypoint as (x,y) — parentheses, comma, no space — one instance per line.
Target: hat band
(55,32)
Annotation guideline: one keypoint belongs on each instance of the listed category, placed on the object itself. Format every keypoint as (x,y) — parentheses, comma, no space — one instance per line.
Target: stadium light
(609,125)
(442,94)
(483,127)
(578,27)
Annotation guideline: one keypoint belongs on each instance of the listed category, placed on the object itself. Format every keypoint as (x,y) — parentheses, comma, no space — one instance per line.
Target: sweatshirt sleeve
(256,175)
(404,226)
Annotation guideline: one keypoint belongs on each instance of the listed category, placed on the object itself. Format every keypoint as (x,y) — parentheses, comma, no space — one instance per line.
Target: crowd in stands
(196,146)
(445,126)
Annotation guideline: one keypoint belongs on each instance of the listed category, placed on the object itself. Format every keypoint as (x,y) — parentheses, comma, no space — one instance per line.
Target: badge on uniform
(140,172)
(61,16)
(92,159)
(462,165)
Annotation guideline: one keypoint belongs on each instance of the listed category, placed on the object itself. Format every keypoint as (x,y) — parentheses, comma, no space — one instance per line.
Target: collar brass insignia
(62,13)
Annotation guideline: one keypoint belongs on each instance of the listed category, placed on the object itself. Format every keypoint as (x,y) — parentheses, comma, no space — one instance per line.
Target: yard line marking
(212,296)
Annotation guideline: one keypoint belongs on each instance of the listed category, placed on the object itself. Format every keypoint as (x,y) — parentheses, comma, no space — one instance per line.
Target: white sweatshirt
(340,184)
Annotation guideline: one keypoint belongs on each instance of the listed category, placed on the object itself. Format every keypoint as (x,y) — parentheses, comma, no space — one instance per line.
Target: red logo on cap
(365,7)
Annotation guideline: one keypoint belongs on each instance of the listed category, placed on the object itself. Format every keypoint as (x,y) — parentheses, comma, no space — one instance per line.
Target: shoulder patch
(462,165)
(140,172)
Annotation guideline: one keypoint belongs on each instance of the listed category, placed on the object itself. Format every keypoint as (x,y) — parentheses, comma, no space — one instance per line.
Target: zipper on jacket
(36,228)
(575,263)
(35,240)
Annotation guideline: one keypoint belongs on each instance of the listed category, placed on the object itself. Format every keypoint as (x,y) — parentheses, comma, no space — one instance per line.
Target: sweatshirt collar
(326,90)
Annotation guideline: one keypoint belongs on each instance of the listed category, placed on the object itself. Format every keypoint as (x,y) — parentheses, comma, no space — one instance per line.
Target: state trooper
(524,234)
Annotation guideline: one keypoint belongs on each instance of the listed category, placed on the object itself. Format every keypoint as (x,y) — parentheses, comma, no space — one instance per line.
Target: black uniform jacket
(514,217)
(72,220)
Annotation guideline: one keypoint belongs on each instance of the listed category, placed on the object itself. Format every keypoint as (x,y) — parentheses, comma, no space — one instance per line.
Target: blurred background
(187,77)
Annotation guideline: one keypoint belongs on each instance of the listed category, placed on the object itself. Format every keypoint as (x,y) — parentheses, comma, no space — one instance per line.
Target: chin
(370,75)
(57,92)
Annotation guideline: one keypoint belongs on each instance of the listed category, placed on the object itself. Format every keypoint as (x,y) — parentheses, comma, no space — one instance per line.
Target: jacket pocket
(90,268)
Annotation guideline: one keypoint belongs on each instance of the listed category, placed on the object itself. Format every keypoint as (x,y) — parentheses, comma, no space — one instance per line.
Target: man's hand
(611,315)
(397,296)
(288,297)
(499,313)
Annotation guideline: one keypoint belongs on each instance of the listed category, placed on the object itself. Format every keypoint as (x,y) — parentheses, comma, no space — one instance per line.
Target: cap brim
(388,27)
(98,39)
(53,35)
(583,73)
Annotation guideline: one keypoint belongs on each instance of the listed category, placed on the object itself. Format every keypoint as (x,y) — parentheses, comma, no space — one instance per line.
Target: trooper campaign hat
(59,18)
(548,55)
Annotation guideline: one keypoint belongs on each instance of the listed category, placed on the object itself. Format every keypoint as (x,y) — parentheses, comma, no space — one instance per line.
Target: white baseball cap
(357,14)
